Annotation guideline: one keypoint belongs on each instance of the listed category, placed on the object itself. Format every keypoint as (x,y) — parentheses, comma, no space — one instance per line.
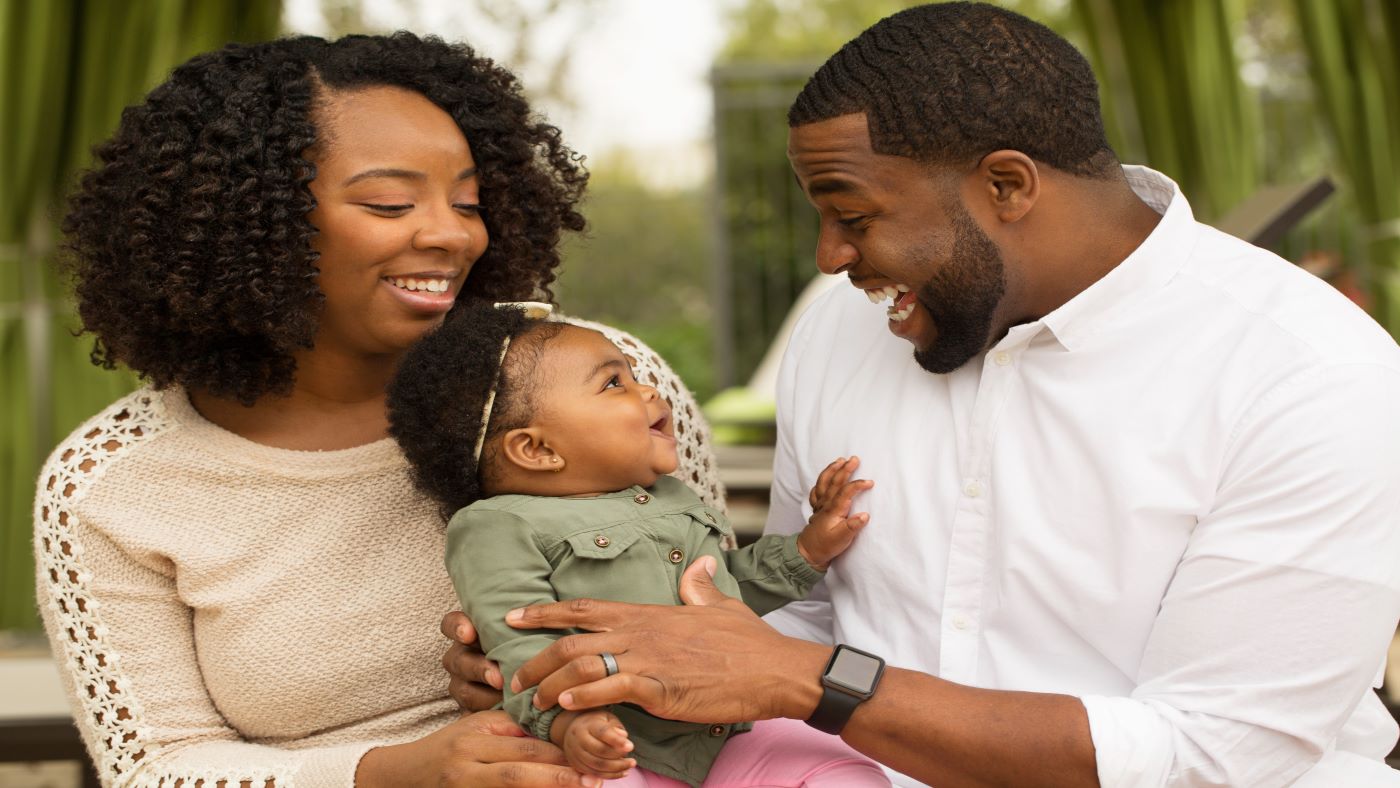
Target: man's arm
(1269,636)
(1277,620)
(713,660)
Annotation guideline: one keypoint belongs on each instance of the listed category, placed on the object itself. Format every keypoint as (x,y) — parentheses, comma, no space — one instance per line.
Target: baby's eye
(613,382)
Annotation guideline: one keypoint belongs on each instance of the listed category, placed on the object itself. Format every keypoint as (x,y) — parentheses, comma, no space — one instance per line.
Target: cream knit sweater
(226,611)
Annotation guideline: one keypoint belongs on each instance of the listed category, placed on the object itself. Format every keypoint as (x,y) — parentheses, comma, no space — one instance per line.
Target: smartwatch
(850,677)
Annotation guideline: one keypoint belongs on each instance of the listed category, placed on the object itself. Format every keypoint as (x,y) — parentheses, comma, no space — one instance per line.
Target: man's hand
(596,743)
(476,681)
(710,660)
(832,527)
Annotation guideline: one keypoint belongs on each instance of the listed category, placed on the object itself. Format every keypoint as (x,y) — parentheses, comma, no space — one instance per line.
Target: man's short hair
(949,83)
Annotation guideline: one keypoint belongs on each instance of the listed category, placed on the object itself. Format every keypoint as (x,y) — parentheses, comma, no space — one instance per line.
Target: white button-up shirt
(1176,497)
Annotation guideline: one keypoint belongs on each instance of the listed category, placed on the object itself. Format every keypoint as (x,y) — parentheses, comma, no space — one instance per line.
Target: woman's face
(398,219)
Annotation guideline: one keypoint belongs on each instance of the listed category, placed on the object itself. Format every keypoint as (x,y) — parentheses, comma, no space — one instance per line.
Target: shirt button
(973,490)
(961,622)
(709,517)
(642,498)
(1002,359)
(601,541)
(717,730)
(677,556)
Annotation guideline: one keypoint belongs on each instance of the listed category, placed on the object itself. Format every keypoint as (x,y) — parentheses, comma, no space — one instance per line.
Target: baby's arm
(778,569)
(595,742)
(832,527)
(496,566)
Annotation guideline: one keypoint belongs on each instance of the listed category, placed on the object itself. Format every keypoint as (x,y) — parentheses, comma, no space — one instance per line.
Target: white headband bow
(534,310)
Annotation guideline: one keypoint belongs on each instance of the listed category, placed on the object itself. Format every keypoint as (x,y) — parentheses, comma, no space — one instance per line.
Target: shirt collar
(1149,267)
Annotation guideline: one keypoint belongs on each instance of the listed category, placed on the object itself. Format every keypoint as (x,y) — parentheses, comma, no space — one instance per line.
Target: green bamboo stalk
(68,69)
(1350,46)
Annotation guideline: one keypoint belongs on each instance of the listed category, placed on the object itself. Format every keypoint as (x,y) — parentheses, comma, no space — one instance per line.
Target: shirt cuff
(801,573)
(543,721)
(1132,742)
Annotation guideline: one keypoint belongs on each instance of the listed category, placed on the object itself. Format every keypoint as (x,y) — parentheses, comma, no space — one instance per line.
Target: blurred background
(1279,118)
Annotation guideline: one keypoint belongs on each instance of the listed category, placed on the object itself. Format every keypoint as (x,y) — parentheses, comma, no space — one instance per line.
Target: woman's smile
(429,292)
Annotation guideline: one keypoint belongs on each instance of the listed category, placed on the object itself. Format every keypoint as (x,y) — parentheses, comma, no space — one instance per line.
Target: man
(1134,521)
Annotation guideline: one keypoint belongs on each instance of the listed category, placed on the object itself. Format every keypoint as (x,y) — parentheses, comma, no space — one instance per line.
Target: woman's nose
(446,229)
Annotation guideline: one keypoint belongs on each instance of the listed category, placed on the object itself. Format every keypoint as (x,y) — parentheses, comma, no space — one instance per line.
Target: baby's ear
(525,448)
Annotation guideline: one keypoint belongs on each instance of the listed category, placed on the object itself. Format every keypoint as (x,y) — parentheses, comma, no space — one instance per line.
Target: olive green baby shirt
(510,551)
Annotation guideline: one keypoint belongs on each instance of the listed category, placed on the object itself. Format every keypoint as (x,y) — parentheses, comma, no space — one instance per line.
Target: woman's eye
(469,208)
(387,209)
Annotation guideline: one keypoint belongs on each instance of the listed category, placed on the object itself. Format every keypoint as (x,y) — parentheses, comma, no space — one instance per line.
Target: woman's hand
(476,681)
(710,660)
(482,750)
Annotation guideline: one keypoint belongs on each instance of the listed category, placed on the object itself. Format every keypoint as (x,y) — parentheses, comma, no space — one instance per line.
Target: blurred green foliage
(643,266)
(67,69)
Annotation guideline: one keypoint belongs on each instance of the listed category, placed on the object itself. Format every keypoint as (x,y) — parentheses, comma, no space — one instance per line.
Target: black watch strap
(835,708)
(849,679)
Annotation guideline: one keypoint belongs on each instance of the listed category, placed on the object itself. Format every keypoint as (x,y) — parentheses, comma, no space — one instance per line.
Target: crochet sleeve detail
(693,442)
(123,641)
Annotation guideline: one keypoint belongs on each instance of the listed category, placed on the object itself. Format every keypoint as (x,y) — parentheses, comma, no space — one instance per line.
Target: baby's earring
(558,466)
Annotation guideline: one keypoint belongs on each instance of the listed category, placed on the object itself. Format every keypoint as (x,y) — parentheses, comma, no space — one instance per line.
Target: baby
(551,461)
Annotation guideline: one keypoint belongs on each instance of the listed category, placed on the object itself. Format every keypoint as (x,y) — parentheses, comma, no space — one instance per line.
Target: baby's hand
(832,527)
(597,744)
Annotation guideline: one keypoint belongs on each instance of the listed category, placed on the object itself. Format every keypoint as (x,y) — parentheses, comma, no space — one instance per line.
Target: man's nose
(834,255)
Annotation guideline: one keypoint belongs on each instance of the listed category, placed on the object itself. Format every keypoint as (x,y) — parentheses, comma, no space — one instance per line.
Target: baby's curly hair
(438,394)
(189,240)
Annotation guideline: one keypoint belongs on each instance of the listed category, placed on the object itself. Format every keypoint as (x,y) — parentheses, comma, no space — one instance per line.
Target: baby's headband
(534,310)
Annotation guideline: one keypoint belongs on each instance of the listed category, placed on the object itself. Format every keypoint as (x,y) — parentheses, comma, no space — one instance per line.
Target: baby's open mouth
(904,301)
(660,424)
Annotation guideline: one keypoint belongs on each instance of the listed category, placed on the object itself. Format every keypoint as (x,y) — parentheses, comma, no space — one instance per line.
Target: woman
(240,583)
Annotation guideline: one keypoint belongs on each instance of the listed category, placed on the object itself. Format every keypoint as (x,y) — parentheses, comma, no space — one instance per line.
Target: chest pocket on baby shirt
(614,562)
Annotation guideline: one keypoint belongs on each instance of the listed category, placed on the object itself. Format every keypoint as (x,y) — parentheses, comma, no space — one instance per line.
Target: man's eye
(854,222)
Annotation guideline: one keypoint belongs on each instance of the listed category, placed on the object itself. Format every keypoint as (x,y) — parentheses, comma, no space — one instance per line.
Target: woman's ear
(526,448)
(1010,183)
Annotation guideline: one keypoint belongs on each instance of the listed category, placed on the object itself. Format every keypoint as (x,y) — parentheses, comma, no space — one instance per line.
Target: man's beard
(961,297)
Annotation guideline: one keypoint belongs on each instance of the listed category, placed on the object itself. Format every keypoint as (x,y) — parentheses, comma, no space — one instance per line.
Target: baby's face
(609,429)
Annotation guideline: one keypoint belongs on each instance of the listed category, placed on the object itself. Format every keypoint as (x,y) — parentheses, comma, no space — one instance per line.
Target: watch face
(854,670)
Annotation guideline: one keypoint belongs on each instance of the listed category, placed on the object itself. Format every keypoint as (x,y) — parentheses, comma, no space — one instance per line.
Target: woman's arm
(124,643)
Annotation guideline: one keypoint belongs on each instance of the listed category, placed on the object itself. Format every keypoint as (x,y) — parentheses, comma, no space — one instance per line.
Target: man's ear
(527,449)
(1010,183)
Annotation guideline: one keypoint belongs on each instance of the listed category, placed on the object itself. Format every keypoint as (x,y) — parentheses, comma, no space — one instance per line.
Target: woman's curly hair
(438,395)
(189,240)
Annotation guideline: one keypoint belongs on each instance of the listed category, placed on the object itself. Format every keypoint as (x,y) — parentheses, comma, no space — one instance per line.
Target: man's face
(899,230)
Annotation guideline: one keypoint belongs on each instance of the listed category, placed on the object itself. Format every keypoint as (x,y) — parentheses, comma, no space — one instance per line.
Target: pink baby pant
(777,754)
